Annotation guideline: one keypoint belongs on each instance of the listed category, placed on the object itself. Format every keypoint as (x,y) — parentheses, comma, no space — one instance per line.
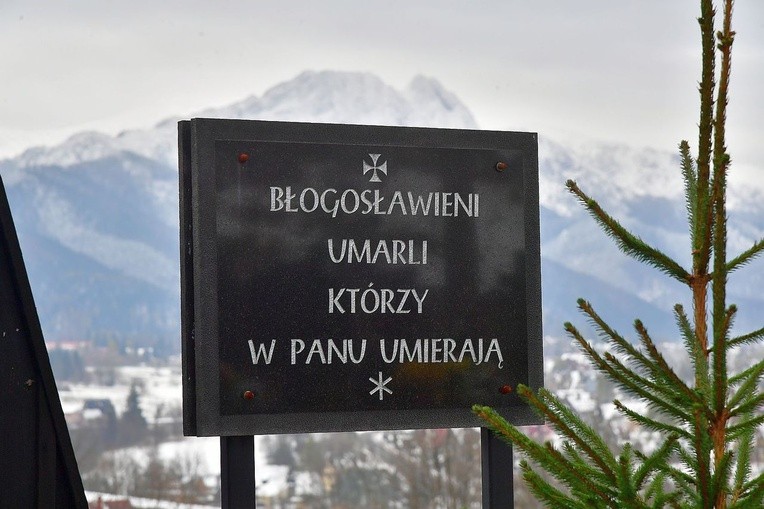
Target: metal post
(498,471)
(237,472)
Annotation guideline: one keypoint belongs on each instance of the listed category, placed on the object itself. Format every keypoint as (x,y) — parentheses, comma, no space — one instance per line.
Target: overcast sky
(621,71)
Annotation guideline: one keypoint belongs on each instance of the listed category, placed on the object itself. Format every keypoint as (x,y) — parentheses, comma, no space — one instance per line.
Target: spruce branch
(736,430)
(725,38)
(511,435)
(651,424)
(625,474)
(750,405)
(702,448)
(655,492)
(665,400)
(721,321)
(669,375)
(729,316)
(669,407)
(705,132)
(746,391)
(697,353)
(625,348)
(690,176)
(580,462)
(752,337)
(721,316)
(567,423)
(753,490)
(743,461)
(628,242)
(548,494)
(545,456)
(652,464)
(746,256)
(630,381)
(754,499)
(688,482)
(579,482)
(721,477)
(618,342)
(754,371)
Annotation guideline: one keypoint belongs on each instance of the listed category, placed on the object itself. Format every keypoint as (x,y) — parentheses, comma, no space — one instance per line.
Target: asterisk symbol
(379,385)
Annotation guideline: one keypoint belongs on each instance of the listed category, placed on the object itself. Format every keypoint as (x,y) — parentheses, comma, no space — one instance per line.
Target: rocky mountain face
(97,216)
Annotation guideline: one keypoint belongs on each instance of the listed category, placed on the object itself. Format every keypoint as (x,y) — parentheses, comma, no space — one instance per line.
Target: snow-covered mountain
(337,97)
(97,215)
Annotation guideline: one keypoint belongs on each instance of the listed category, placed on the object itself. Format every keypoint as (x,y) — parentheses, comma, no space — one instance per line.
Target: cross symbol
(379,385)
(373,167)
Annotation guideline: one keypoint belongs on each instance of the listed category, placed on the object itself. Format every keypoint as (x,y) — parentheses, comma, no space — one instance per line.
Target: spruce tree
(132,424)
(708,424)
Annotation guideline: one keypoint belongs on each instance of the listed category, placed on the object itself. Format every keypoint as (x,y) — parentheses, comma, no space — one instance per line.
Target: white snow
(156,386)
(143,503)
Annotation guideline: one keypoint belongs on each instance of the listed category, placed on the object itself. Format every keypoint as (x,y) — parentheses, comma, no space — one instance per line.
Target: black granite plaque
(343,278)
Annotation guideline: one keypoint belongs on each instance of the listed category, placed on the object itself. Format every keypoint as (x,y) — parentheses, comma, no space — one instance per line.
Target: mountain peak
(353,98)
(431,90)
(83,146)
(312,96)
